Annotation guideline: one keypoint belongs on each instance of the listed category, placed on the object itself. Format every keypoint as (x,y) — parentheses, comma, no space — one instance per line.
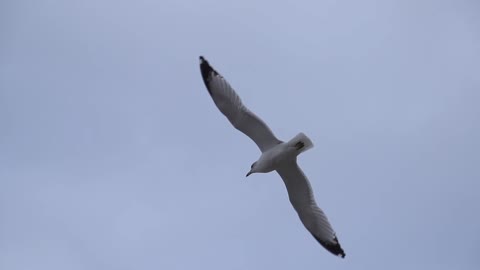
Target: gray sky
(113,155)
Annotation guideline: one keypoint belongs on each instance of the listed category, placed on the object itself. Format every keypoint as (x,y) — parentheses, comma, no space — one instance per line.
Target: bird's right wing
(303,201)
(230,104)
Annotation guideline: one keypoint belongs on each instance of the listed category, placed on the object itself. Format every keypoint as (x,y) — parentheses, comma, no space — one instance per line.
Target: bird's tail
(301,142)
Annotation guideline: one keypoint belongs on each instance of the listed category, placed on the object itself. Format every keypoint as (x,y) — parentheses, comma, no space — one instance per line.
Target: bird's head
(253,169)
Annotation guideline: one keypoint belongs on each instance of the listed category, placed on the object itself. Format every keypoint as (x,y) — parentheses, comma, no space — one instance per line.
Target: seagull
(276,156)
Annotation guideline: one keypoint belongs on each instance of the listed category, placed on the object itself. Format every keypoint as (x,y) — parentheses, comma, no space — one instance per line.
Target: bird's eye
(251,167)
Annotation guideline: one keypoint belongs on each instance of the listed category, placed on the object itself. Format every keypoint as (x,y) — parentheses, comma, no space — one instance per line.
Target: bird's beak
(250,172)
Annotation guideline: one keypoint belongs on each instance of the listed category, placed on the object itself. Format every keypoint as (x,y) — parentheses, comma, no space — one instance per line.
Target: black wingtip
(207,72)
(334,247)
(206,68)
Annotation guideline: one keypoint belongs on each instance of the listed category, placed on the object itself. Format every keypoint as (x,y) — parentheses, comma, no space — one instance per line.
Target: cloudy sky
(113,155)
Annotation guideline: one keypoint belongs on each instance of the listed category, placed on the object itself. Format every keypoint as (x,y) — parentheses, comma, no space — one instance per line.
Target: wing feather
(230,104)
(303,201)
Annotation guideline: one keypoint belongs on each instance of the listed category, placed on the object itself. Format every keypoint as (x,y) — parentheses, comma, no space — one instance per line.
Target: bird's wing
(230,104)
(303,201)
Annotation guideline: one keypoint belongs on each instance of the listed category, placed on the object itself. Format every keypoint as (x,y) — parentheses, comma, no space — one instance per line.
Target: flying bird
(276,156)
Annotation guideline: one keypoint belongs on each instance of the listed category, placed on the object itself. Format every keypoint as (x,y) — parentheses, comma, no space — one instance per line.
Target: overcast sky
(113,156)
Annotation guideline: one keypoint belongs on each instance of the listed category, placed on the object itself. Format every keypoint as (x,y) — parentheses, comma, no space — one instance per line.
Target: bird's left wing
(230,104)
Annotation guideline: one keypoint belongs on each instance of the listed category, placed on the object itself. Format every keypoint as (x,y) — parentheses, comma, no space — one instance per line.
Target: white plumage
(276,155)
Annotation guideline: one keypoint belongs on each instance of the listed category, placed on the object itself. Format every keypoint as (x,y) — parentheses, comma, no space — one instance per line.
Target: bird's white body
(276,156)
(284,152)
(273,158)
